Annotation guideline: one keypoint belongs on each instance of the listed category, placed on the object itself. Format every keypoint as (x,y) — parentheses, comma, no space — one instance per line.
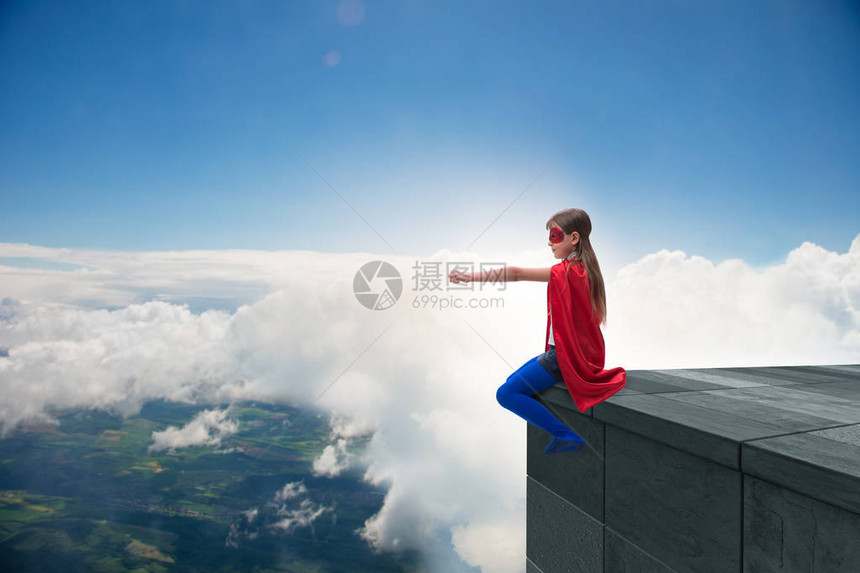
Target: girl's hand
(456,276)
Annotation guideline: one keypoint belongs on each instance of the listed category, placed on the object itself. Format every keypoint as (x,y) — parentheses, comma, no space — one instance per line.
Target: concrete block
(560,537)
(621,556)
(682,509)
(786,531)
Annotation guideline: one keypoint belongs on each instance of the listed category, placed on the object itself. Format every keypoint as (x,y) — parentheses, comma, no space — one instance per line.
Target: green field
(85,495)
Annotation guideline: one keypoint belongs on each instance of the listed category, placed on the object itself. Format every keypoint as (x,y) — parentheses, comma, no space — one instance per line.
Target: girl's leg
(515,395)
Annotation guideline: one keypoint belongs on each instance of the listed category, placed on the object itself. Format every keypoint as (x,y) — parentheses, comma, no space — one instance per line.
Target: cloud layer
(689,312)
(418,380)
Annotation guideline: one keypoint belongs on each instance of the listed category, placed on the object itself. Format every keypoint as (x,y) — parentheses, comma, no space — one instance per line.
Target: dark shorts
(550,363)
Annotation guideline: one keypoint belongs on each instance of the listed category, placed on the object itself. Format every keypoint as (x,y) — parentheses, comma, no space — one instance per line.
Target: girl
(573,349)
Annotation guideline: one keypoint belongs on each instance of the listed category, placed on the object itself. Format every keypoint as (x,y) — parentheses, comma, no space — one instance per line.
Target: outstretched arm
(539,275)
(504,274)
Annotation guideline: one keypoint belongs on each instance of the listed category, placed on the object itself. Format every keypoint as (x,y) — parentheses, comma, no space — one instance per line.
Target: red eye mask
(556,235)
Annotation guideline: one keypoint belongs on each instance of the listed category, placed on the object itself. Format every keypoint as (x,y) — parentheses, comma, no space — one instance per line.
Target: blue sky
(724,129)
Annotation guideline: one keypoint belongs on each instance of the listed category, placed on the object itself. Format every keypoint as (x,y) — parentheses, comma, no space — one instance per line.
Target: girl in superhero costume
(573,348)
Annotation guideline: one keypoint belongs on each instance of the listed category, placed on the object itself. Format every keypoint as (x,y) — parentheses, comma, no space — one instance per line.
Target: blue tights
(515,395)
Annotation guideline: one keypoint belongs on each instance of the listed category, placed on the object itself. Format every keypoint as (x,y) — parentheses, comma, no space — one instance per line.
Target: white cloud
(672,311)
(212,279)
(65,357)
(334,459)
(496,545)
(207,428)
(283,514)
(302,516)
(452,458)
(337,457)
(291,490)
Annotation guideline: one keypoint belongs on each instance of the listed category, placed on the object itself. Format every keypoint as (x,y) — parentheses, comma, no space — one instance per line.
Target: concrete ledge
(686,470)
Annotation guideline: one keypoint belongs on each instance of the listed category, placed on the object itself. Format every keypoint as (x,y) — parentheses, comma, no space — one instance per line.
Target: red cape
(578,340)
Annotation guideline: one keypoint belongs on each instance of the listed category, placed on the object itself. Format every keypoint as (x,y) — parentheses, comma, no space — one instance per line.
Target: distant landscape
(86,494)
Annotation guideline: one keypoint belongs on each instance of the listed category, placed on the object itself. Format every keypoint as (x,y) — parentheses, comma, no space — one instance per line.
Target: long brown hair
(571,220)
